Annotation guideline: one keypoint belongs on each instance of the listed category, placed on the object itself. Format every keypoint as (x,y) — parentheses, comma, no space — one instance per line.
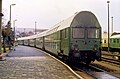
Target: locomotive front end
(86,44)
(85,39)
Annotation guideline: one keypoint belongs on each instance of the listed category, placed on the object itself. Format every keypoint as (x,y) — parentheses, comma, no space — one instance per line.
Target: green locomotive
(77,38)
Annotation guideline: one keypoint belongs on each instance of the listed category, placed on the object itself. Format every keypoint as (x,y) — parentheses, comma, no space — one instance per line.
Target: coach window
(114,40)
(78,32)
(117,40)
(93,33)
(66,33)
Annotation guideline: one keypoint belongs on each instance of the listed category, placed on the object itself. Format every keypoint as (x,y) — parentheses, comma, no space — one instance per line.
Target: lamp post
(9,27)
(24,33)
(35,32)
(0,28)
(35,27)
(108,28)
(14,28)
(10,11)
(14,32)
(10,18)
(112,24)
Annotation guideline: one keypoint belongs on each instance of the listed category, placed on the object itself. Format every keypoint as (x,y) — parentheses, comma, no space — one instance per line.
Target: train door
(64,41)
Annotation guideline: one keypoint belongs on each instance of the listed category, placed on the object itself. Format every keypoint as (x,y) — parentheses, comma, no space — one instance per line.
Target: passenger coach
(115,43)
(77,38)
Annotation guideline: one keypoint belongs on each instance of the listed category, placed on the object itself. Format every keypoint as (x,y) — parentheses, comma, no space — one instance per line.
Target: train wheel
(59,55)
(64,57)
(70,58)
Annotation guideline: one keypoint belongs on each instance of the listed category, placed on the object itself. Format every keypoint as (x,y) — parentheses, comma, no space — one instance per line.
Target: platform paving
(31,63)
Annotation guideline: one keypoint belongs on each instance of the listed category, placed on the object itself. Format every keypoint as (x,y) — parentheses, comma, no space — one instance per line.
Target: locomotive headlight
(95,47)
(76,47)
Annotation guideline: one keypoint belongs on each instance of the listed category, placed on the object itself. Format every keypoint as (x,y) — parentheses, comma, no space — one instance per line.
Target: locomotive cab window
(78,32)
(93,33)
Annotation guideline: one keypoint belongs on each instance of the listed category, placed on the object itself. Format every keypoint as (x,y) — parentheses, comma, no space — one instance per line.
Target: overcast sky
(47,13)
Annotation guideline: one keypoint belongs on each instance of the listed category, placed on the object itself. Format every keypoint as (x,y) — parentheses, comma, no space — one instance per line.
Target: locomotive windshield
(93,33)
(78,32)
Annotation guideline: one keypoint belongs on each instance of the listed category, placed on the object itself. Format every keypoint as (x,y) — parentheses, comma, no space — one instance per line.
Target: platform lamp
(10,10)
(35,32)
(0,29)
(9,27)
(14,28)
(35,27)
(108,28)
(11,15)
(112,25)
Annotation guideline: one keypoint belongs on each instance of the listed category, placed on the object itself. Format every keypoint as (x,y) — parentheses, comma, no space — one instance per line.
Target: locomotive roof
(61,25)
(115,36)
(85,19)
(81,19)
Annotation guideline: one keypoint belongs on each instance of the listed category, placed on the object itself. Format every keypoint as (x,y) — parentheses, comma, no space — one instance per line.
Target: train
(77,38)
(114,45)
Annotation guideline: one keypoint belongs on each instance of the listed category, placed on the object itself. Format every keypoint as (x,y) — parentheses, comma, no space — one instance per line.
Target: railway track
(91,72)
(111,55)
(87,72)
(111,60)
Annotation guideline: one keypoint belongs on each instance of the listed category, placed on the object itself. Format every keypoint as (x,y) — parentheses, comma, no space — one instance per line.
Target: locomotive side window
(78,32)
(93,33)
(63,35)
(117,40)
(114,40)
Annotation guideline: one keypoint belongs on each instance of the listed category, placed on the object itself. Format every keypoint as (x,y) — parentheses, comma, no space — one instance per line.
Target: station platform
(31,63)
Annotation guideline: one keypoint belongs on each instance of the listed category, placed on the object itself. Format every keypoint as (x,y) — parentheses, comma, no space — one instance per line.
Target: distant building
(22,32)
